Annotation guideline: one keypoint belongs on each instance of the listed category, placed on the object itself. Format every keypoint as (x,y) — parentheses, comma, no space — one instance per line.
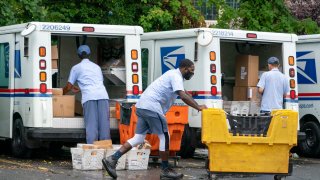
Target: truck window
(144,58)
(4,65)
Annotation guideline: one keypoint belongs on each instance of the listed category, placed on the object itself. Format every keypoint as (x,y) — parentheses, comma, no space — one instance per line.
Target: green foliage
(152,15)
(261,15)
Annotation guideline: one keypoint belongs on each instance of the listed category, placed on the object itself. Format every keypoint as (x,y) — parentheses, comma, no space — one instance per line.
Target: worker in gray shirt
(273,86)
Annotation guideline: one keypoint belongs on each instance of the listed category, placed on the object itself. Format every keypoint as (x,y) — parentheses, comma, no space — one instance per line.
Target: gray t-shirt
(275,85)
(162,93)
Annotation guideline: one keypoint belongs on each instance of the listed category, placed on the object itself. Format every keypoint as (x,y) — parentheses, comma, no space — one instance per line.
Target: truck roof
(223,34)
(78,28)
(309,38)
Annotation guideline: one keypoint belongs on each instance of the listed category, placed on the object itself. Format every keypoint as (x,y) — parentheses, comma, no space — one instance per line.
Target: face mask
(188,75)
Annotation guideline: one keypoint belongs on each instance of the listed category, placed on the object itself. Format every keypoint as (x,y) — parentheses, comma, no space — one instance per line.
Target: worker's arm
(190,101)
(69,86)
(260,90)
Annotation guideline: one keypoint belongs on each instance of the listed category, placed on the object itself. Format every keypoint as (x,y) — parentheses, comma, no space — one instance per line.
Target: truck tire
(310,147)
(188,143)
(18,143)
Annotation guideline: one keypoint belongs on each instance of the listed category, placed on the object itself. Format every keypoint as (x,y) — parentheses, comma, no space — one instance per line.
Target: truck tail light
(134,54)
(213,90)
(134,67)
(292,94)
(42,51)
(135,90)
(292,83)
(291,72)
(43,76)
(213,68)
(42,64)
(135,79)
(213,80)
(251,35)
(212,56)
(88,29)
(291,60)
(43,88)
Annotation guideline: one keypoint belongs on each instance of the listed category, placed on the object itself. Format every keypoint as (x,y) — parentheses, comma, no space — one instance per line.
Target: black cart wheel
(18,144)
(188,142)
(279,177)
(311,145)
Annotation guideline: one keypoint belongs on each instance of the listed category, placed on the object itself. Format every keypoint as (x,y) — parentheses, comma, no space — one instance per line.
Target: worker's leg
(164,149)
(104,120)
(91,121)
(110,162)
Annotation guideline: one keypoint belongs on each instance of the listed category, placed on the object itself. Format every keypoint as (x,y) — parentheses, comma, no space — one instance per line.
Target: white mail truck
(36,58)
(308,63)
(215,53)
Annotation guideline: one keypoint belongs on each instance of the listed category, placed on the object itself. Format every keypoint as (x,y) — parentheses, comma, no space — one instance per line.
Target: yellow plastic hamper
(249,154)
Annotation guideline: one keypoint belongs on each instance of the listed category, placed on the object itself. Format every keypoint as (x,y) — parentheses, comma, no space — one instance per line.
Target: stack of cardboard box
(54,57)
(63,105)
(246,80)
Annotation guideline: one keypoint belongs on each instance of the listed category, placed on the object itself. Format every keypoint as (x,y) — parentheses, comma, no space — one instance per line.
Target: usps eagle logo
(306,69)
(171,57)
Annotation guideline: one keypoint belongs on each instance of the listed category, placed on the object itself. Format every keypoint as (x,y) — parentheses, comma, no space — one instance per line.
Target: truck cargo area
(106,51)
(242,64)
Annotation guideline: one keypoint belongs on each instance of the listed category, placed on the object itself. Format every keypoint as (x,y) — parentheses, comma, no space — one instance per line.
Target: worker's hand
(201,107)
(75,89)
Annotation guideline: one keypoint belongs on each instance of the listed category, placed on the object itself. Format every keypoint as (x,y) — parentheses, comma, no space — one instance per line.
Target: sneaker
(169,173)
(110,165)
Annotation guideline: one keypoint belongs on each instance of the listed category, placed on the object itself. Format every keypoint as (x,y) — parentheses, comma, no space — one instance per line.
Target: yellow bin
(249,154)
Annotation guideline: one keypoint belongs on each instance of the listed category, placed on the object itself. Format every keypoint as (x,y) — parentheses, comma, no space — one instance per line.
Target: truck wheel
(18,143)
(311,145)
(188,142)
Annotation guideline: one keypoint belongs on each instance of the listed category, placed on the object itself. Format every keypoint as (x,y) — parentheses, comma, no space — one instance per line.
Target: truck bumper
(62,134)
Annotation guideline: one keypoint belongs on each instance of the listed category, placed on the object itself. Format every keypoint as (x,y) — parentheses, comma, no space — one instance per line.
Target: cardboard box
(103,144)
(57,91)
(112,112)
(247,68)
(54,63)
(54,52)
(63,106)
(246,94)
(78,109)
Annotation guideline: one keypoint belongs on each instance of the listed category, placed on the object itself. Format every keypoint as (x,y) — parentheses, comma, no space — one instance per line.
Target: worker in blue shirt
(273,85)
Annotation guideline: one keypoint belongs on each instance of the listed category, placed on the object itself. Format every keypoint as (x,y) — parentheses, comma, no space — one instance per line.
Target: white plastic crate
(87,159)
(137,159)
(122,161)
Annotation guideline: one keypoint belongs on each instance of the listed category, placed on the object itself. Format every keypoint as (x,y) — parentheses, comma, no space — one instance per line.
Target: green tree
(152,15)
(261,15)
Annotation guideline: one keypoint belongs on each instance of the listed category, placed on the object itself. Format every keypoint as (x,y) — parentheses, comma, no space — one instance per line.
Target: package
(242,93)
(87,159)
(245,107)
(121,165)
(103,144)
(240,107)
(144,145)
(63,106)
(54,52)
(247,68)
(57,91)
(112,111)
(78,109)
(137,159)
(54,64)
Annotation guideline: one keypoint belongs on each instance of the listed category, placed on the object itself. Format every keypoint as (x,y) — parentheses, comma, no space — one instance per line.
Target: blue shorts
(150,122)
